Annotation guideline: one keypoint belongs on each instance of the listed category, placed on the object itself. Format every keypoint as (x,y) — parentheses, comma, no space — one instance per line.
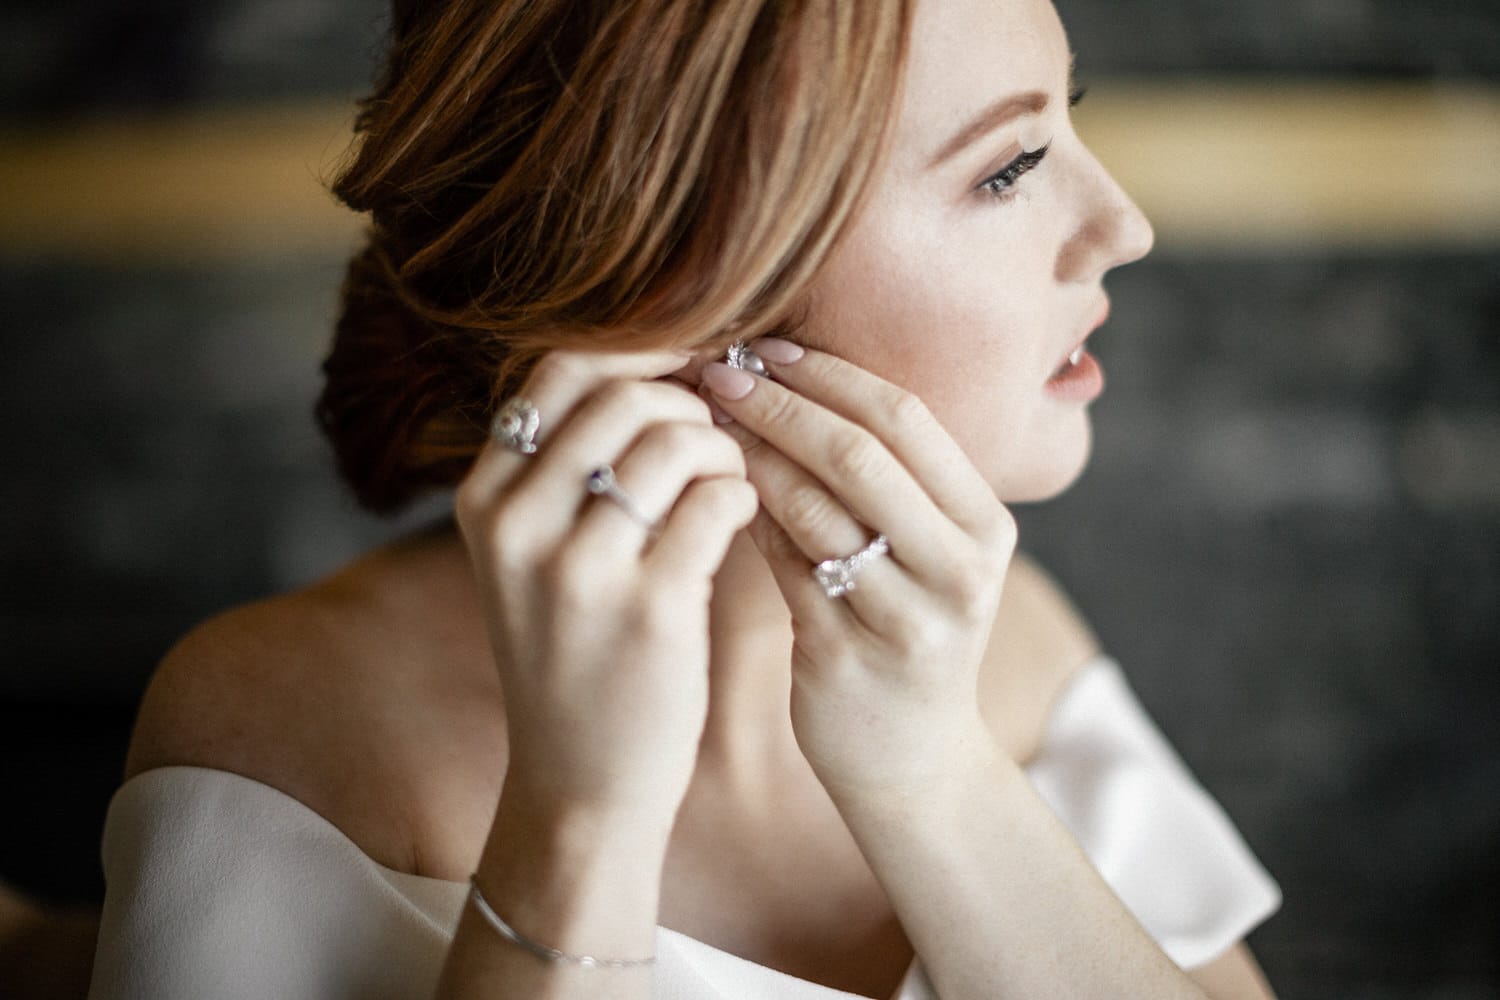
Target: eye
(1003,183)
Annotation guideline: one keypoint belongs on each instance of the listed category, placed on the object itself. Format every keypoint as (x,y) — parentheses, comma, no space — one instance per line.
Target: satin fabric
(221,886)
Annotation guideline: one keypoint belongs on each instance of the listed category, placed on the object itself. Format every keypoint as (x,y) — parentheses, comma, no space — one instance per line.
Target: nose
(1112,229)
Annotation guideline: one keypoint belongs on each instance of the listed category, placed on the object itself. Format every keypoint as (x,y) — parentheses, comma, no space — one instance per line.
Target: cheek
(938,321)
(960,319)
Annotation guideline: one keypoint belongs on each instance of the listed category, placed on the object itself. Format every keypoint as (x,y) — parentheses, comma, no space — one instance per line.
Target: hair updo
(616,174)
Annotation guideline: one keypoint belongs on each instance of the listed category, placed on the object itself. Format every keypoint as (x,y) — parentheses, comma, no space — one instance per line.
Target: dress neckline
(439,896)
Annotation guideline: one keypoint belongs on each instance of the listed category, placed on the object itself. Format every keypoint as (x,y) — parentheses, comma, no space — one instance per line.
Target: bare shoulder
(1039,643)
(348,696)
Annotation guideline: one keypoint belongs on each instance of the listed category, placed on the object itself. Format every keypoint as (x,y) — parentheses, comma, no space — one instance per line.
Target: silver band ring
(602,482)
(836,576)
(515,425)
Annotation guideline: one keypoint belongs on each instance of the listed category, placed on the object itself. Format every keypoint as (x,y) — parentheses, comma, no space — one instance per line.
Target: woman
(674,760)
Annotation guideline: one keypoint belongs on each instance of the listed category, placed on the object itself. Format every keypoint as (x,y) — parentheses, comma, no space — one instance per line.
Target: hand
(885,678)
(599,625)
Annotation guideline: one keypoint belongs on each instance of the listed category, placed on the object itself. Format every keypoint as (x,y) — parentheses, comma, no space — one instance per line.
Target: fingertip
(777,351)
(752,503)
(728,383)
(714,409)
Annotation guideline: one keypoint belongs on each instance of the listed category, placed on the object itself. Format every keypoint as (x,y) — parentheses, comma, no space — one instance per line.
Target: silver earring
(743,358)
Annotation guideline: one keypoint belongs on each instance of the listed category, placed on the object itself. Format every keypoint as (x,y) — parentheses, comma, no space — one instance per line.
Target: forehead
(965,54)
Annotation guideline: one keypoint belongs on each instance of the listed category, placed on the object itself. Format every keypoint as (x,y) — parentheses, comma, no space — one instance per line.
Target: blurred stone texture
(1290,533)
(1312,623)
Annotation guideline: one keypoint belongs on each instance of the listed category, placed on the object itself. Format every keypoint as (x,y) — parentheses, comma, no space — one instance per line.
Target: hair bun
(403,415)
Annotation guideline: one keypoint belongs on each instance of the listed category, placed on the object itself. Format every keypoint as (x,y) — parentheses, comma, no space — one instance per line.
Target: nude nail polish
(726,382)
(777,351)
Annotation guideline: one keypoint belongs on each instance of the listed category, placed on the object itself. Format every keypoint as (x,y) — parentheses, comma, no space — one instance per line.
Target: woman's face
(973,294)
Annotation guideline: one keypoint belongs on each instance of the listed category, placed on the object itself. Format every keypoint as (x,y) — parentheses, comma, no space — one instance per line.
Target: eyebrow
(1003,111)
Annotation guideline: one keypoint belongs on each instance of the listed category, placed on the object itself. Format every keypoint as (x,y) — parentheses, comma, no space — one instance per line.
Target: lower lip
(1078,383)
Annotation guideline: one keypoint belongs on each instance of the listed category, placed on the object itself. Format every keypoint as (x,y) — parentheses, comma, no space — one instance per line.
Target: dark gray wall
(1290,534)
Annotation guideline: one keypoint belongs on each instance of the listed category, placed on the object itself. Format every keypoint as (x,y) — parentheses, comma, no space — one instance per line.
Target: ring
(602,482)
(515,425)
(836,576)
(741,357)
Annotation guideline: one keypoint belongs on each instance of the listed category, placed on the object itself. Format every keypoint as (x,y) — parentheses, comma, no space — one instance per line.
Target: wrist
(542,831)
(579,880)
(938,760)
(578,815)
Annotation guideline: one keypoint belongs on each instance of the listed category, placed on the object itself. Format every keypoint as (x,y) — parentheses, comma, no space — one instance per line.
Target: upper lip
(1100,315)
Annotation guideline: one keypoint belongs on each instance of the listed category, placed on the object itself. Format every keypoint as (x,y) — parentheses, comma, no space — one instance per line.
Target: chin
(1048,475)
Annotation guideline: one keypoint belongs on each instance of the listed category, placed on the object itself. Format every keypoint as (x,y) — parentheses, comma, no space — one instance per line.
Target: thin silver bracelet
(540,950)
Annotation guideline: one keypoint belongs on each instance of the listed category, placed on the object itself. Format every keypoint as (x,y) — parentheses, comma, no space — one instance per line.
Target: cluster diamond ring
(515,425)
(836,576)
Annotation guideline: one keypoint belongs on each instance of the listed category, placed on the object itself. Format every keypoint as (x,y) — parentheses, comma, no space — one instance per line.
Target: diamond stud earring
(743,358)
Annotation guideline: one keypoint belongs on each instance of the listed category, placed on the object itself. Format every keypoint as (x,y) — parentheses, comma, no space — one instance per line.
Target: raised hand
(597,612)
(884,677)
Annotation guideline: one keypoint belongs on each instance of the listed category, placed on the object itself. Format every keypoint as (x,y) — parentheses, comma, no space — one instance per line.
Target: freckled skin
(970,301)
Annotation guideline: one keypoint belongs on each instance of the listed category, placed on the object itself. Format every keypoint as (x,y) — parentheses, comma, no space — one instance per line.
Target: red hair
(542,174)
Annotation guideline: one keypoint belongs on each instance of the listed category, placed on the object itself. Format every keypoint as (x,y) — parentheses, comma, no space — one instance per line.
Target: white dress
(220,886)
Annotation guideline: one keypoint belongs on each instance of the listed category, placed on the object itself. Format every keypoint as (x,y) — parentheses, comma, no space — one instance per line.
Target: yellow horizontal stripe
(223,184)
(1218,165)
(1225,165)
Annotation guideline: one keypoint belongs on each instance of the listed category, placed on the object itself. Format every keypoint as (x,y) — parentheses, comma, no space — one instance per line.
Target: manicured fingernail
(727,382)
(777,351)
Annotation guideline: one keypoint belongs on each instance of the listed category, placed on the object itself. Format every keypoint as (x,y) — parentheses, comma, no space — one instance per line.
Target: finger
(560,381)
(808,526)
(813,518)
(723,420)
(551,491)
(697,532)
(850,462)
(652,474)
(535,506)
(898,418)
(811,608)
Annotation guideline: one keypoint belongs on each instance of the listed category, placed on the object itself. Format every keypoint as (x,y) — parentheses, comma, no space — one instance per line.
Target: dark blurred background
(1290,534)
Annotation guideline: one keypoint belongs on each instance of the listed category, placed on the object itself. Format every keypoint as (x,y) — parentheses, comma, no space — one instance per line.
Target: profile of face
(975,266)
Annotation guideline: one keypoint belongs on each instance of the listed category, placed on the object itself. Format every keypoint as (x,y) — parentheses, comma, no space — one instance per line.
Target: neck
(750,632)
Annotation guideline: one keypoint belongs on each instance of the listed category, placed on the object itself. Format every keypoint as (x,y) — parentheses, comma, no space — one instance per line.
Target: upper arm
(261,691)
(1234,975)
(205,706)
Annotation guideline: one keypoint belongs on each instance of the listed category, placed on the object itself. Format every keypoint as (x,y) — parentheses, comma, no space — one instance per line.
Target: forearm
(995,894)
(578,884)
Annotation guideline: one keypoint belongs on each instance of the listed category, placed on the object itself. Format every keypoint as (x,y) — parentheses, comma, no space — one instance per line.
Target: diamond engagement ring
(602,482)
(515,425)
(836,576)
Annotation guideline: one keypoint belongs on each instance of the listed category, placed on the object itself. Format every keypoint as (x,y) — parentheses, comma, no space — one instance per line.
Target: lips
(1079,378)
(1070,361)
(1075,353)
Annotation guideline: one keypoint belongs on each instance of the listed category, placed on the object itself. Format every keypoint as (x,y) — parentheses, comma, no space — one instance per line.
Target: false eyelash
(1003,182)
(1077,95)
